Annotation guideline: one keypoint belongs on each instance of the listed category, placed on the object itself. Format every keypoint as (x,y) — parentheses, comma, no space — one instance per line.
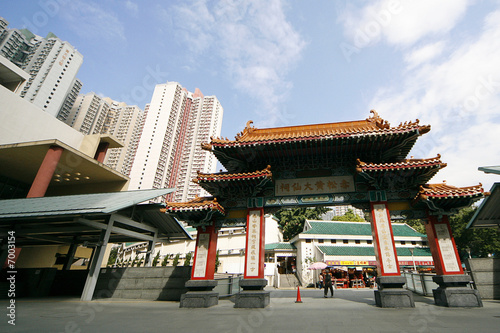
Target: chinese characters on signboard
(201,255)
(386,246)
(318,185)
(447,250)
(253,248)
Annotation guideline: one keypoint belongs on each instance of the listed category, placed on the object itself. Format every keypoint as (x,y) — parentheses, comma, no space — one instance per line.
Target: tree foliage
(176,260)
(156,259)
(481,242)
(418,225)
(187,260)
(165,260)
(113,254)
(292,220)
(350,216)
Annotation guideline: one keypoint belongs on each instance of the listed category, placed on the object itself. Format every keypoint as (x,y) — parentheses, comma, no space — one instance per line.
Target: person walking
(327,280)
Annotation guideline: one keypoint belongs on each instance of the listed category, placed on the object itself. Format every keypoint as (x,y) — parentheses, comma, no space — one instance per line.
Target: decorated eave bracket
(461,201)
(438,211)
(258,188)
(236,164)
(398,149)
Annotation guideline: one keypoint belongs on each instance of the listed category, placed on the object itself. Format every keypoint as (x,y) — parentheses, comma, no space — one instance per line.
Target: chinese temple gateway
(362,163)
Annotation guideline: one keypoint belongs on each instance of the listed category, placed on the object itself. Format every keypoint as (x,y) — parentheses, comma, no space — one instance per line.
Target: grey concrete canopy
(62,219)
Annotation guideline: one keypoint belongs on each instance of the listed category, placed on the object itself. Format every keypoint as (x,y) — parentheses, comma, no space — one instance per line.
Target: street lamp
(413,259)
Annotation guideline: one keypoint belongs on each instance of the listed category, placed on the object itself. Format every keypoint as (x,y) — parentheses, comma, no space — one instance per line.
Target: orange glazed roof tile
(443,191)
(372,125)
(197,204)
(226,176)
(404,164)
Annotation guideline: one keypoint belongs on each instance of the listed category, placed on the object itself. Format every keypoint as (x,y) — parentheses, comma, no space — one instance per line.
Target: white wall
(21,121)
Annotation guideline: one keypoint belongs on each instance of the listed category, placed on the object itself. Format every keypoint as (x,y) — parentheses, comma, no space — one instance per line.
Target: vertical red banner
(443,248)
(255,244)
(383,237)
(205,254)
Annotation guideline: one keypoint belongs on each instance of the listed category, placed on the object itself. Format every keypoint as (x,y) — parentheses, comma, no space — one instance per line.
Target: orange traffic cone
(299,300)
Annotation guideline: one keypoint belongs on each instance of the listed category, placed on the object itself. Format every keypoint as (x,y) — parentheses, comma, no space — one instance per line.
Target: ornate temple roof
(226,176)
(234,184)
(445,198)
(406,173)
(434,162)
(372,125)
(364,138)
(198,211)
(444,191)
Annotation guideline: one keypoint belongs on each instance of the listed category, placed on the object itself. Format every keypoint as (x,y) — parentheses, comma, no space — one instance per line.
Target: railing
(420,283)
(228,286)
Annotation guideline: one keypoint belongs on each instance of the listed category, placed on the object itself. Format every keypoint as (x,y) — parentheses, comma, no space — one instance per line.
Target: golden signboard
(316,185)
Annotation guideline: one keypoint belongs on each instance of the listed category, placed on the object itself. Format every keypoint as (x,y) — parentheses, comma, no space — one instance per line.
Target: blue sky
(282,63)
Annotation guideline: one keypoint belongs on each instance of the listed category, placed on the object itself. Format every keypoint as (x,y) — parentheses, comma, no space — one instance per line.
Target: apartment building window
(346,241)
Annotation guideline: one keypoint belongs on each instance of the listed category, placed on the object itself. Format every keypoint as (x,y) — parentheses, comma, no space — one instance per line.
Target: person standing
(327,280)
(321,276)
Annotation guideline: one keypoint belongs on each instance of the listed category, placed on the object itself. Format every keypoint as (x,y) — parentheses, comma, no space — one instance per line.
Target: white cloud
(458,94)
(400,22)
(90,21)
(424,54)
(256,43)
(131,6)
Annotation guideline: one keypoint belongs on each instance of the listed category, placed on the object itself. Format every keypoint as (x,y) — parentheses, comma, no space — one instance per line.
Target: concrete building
(51,63)
(125,123)
(92,114)
(341,210)
(88,114)
(169,152)
(230,246)
(350,244)
(61,202)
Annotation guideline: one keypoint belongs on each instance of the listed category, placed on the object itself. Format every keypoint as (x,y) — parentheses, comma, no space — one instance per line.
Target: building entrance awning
(488,213)
(91,219)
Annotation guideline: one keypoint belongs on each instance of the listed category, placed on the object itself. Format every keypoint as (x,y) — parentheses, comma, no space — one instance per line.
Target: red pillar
(100,154)
(383,237)
(442,244)
(255,244)
(45,172)
(205,254)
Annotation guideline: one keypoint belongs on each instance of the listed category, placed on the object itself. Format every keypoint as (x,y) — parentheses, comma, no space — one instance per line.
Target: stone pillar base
(200,294)
(453,292)
(391,294)
(253,294)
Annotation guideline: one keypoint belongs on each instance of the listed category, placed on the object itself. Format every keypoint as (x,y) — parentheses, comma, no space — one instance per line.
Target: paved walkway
(350,311)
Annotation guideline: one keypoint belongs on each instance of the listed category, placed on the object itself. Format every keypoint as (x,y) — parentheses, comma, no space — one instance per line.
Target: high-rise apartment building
(52,64)
(125,123)
(92,114)
(88,114)
(169,152)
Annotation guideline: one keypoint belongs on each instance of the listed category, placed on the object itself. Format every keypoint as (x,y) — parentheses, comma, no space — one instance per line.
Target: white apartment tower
(169,152)
(92,114)
(51,63)
(53,66)
(88,114)
(125,123)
